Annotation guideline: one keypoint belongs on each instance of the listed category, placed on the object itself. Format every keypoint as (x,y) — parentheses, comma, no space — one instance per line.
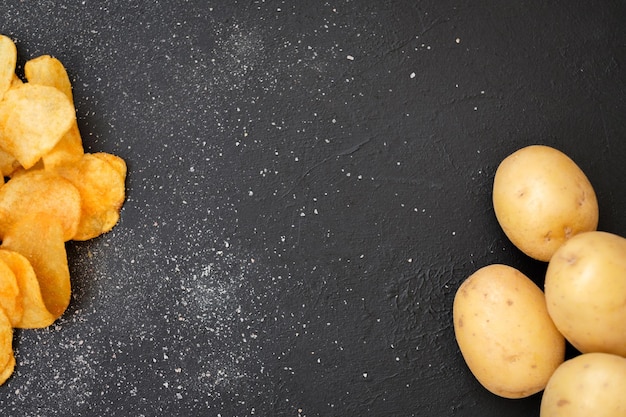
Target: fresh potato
(585,288)
(541,198)
(504,332)
(592,384)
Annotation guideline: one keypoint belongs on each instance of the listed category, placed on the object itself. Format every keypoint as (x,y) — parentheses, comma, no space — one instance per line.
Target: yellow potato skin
(591,384)
(504,331)
(585,287)
(541,198)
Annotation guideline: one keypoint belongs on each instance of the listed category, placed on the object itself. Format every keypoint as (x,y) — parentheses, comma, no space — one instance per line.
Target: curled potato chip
(69,149)
(8,58)
(53,192)
(8,163)
(7,359)
(115,161)
(46,70)
(10,300)
(33,119)
(39,193)
(34,312)
(16,81)
(101,184)
(8,370)
(40,240)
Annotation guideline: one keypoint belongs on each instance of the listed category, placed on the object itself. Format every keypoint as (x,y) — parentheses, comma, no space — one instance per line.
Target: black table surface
(308,184)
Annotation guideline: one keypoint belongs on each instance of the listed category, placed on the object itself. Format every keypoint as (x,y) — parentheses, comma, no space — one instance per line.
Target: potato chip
(68,150)
(10,300)
(8,164)
(8,58)
(16,81)
(46,70)
(8,370)
(51,191)
(34,312)
(40,193)
(101,188)
(33,119)
(115,161)
(40,240)
(7,359)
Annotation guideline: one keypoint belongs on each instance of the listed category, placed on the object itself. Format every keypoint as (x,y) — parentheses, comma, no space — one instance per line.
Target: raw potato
(592,384)
(542,198)
(585,288)
(504,332)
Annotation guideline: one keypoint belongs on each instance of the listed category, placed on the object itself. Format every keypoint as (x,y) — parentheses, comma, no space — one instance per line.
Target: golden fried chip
(46,70)
(33,119)
(34,312)
(115,161)
(8,163)
(6,347)
(16,81)
(50,192)
(8,370)
(40,240)
(8,58)
(68,150)
(102,192)
(10,300)
(39,193)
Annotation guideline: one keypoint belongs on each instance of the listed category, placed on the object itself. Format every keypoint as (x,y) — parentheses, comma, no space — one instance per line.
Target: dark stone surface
(309,183)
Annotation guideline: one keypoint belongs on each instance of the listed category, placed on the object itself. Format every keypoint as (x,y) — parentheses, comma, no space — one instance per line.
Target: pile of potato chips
(51,192)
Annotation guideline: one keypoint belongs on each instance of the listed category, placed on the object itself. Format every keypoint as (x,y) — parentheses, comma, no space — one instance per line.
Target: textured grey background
(309,182)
